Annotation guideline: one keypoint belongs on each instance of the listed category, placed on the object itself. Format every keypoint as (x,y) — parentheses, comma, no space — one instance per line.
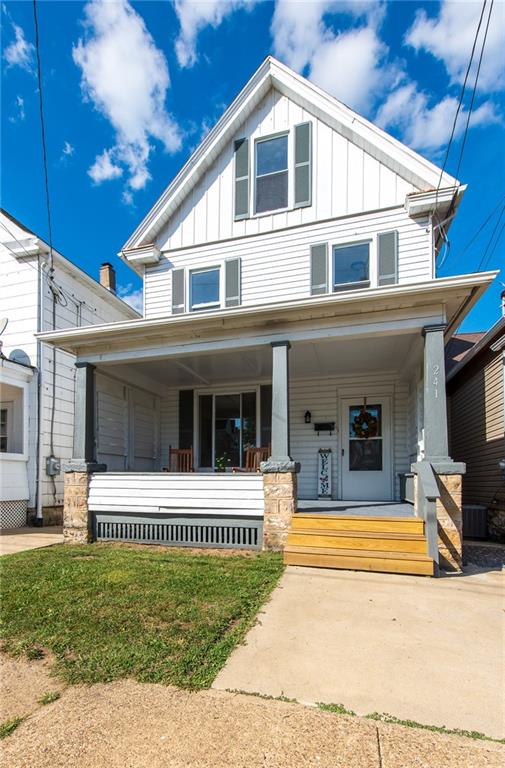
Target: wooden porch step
(357,523)
(359,560)
(358,540)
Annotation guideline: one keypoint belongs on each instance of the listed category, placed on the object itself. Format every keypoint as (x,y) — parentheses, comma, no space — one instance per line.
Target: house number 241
(436,371)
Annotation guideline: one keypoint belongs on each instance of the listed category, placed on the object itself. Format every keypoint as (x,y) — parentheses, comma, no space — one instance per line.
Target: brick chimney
(108,276)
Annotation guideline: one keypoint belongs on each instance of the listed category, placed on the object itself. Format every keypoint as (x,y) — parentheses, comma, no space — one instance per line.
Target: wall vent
(191,531)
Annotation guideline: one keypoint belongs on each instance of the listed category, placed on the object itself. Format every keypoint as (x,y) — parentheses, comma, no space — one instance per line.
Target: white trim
(437,290)
(376,142)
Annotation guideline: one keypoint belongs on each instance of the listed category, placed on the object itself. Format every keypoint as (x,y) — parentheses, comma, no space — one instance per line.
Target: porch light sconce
(308,417)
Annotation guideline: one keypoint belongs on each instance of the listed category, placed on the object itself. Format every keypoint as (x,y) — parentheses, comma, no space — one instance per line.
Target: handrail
(427,494)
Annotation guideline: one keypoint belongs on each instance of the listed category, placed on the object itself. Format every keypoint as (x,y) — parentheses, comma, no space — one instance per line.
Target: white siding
(346,181)
(321,398)
(276,265)
(83,303)
(168,492)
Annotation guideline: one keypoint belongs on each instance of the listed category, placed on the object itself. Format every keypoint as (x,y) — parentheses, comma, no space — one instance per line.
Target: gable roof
(492,339)
(272,73)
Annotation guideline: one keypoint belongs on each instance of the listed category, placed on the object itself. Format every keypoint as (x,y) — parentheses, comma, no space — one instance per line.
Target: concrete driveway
(429,650)
(14,540)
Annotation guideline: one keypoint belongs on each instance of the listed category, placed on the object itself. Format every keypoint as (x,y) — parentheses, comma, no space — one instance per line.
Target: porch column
(280,401)
(279,472)
(77,527)
(436,449)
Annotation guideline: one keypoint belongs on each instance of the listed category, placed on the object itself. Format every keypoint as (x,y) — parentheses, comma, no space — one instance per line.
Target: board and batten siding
(276,265)
(320,397)
(346,180)
(477,427)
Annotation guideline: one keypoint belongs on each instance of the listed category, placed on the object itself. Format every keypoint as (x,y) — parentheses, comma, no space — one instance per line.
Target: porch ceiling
(307,360)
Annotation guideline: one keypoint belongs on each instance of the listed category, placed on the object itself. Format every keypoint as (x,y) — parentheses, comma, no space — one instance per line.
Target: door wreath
(365,424)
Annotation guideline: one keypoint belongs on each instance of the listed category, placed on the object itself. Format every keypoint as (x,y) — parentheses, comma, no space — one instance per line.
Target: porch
(346,407)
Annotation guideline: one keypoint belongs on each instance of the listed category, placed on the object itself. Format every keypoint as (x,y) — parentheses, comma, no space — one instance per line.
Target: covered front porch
(343,407)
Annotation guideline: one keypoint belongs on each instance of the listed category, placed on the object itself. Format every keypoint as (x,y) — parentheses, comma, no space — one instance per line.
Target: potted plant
(222,463)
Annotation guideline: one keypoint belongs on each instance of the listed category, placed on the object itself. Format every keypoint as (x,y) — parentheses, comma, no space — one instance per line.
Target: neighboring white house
(29,302)
(296,231)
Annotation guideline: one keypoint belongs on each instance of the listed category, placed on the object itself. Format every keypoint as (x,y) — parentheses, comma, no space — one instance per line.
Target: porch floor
(358,508)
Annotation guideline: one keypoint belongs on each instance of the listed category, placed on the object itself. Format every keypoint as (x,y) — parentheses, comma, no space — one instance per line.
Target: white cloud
(450,35)
(133,297)
(68,149)
(20,53)
(104,169)
(126,78)
(20,115)
(352,64)
(426,127)
(194,15)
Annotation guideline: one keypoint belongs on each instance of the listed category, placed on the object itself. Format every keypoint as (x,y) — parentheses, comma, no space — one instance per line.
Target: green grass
(9,726)
(107,612)
(383,717)
(49,697)
(337,709)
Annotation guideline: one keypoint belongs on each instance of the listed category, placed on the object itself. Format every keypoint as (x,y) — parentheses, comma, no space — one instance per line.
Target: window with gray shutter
(387,247)
(178,298)
(319,269)
(303,164)
(241,179)
(232,282)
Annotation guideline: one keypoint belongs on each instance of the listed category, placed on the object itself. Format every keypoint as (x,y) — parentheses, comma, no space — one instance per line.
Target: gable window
(271,170)
(205,289)
(351,266)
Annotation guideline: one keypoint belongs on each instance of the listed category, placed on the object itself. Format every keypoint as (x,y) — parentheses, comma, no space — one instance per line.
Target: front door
(365,433)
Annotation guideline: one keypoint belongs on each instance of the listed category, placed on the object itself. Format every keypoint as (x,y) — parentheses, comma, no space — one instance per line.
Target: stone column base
(450,522)
(76,518)
(280,491)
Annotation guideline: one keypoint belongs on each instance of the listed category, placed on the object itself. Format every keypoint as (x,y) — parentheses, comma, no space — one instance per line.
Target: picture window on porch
(205,289)
(12,418)
(4,426)
(271,171)
(351,266)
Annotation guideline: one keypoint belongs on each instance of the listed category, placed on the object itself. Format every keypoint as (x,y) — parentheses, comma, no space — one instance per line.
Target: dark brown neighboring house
(475,369)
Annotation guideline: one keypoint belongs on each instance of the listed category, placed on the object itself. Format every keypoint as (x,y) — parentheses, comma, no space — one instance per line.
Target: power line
(474,91)
(482,226)
(490,256)
(460,102)
(491,239)
(43,135)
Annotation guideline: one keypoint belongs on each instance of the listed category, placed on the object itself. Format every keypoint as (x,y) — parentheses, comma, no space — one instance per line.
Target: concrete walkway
(429,650)
(14,540)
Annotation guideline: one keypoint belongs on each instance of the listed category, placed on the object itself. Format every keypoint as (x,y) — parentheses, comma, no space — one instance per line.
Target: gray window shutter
(387,247)
(319,269)
(232,282)
(242,179)
(178,298)
(303,165)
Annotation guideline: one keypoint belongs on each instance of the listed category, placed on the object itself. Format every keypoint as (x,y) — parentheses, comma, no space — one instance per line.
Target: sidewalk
(13,540)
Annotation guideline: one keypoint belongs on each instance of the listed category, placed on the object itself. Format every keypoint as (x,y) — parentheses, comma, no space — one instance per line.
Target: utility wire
(460,102)
(479,230)
(488,246)
(43,135)
(490,256)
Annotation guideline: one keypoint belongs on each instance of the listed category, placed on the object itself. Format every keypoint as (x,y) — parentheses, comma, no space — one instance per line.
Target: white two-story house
(37,381)
(291,305)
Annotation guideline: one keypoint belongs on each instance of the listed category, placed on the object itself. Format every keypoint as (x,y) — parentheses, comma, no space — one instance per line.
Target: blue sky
(130,89)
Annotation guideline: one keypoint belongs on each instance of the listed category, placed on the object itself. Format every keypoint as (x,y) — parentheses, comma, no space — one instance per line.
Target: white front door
(365,442)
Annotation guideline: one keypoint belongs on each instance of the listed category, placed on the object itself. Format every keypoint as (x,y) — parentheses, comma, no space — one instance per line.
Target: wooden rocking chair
(180,460)
(253,459)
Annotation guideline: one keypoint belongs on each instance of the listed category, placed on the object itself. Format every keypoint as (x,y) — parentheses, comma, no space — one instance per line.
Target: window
(204,288)
(351,266)
(271,174)
(4,425)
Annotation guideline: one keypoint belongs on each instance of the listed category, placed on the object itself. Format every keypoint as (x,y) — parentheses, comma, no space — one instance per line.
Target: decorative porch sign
(324,473)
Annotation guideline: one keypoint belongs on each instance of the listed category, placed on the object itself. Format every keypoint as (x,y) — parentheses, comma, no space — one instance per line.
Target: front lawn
(107,611)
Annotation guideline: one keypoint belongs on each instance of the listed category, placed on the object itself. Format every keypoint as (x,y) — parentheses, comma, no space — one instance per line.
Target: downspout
(40,360)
